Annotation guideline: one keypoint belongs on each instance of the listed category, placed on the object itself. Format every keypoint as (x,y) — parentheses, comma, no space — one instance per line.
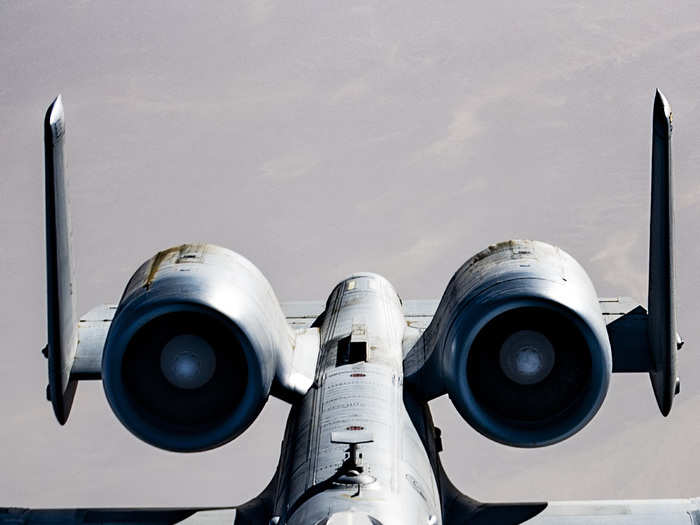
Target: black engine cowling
(523,352)
(191,353)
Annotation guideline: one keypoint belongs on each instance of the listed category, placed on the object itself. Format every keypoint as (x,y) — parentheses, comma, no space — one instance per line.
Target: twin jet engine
(520,340)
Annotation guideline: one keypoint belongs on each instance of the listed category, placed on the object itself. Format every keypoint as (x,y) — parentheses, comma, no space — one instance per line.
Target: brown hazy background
(319,139)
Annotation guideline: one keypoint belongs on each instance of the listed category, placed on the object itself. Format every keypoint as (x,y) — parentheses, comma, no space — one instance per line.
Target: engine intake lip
(509,427)
(151,407)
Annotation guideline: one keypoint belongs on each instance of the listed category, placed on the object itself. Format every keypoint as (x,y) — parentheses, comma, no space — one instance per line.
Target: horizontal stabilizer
(302,314)
(93,328)
(92,334)
(626,320)
(627,324)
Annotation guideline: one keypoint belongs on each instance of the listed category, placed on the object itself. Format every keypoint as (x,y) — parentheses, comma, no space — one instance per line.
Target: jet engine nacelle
(191,353)
(525,352)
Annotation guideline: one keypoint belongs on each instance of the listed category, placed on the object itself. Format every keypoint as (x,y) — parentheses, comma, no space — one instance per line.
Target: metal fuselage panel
(359,391)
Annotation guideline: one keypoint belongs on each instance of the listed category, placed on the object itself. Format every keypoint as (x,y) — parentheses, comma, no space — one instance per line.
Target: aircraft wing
(253,512)
(460,509)
(620,512)
(604,512)
(419,313)
(120,516)
(302,314)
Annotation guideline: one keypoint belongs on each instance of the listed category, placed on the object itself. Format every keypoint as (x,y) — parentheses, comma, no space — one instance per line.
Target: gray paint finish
(667,512)
(365,397)
(344,374)
(310,105)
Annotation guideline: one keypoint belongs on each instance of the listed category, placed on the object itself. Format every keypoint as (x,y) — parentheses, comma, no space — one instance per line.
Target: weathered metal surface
(358,446)
(363,397)
(213,283)
(516,274)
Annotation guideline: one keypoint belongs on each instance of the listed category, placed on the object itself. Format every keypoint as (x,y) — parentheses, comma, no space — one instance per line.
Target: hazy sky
(319,139)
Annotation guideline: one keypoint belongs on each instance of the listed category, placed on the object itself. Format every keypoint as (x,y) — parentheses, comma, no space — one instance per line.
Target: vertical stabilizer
(662,315)
(61,307)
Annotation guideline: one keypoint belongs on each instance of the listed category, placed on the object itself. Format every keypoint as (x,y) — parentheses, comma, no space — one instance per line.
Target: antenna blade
(61,308)
(662,316)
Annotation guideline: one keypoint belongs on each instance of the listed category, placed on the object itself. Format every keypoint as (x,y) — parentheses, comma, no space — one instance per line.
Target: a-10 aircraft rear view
(520,341)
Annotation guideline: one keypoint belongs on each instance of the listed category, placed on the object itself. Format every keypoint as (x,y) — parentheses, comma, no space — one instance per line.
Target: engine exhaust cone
(530,367)
(188,361)
(527,357)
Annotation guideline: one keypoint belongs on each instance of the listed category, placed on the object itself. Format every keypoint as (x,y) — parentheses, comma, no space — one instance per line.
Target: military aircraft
(520,341)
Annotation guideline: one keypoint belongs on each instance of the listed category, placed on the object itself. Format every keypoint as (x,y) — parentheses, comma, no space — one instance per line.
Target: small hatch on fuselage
(350,351)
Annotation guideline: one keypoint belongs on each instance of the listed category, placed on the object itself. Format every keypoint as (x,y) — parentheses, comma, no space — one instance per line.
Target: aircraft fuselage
(358,394)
